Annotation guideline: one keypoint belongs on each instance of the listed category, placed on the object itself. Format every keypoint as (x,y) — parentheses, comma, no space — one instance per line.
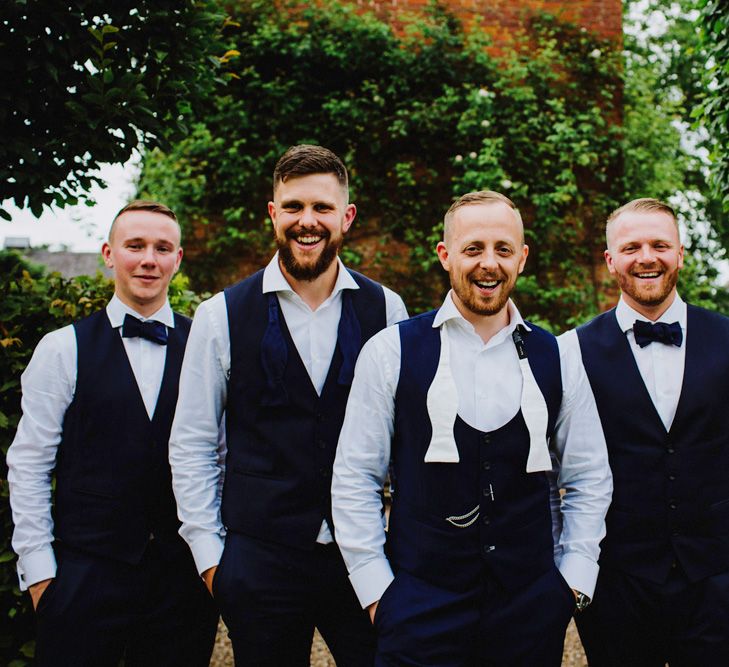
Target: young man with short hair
(109,576)
(659,369)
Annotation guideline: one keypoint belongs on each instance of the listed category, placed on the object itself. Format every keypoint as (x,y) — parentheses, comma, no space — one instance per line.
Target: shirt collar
(449,312)
(275,281)
(626,315)
(116,310)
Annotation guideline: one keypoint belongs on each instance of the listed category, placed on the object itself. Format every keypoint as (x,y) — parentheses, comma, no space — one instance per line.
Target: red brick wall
(500,17)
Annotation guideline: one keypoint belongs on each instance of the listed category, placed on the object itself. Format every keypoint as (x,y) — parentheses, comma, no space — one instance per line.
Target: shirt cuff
(371,580)
(36,566)
(579,572)
(207,551)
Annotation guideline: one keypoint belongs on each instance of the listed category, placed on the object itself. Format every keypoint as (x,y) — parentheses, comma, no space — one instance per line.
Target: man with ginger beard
(659,369)
(473,405)
(275,355)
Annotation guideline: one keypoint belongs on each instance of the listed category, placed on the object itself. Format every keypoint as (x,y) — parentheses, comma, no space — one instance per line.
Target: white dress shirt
(488,380)
(195,456)
(49,384)
(661,366)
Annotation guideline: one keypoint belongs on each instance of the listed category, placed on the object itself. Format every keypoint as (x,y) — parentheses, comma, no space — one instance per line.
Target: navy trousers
(97,611)
(271,597)
(633,622)
(419,623)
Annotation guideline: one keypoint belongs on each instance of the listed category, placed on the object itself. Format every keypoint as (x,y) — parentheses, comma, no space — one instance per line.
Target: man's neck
(652,312)
(145,310)
(314,292)
(486,326)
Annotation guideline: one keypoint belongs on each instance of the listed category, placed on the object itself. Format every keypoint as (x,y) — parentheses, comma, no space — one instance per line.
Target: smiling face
(310,216)
(645,254)
(484,252)
(144,251)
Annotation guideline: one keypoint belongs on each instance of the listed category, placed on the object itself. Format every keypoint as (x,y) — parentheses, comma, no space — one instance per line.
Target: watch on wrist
(582,601)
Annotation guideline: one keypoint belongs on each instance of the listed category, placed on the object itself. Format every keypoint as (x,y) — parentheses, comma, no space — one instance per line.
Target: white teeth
(650,274)
(487,283)
(309,239)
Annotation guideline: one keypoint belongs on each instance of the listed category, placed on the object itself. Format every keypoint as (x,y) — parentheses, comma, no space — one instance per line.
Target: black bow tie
(151,329)
(646,333)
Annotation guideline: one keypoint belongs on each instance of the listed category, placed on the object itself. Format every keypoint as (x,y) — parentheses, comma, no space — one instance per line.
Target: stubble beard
(632,287)
(477,305)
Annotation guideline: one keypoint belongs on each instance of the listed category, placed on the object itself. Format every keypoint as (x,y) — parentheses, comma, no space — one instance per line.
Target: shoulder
(711,317)
(182,322)
(601,321)
(59,341)
(242,288)
(418,322)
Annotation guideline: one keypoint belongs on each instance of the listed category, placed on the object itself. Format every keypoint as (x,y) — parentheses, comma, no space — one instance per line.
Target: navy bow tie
(646,333)
(151,329)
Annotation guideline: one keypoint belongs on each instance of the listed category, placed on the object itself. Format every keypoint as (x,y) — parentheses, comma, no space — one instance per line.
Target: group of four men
(296,400)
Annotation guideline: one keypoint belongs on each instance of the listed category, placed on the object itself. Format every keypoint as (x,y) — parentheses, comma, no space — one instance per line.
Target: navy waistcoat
(280,453)
(671,489)
(512,537)
(113,480)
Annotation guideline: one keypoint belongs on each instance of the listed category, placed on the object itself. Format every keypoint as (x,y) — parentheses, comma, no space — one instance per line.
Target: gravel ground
(320,656)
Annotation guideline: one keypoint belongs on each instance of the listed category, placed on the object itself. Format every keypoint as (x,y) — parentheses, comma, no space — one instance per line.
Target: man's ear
(349,214)
(106,254)
(443,255)
(609,261)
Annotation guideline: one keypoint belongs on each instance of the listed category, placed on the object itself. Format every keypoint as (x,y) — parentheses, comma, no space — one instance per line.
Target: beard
(631,286)
(311,270)
(477,304)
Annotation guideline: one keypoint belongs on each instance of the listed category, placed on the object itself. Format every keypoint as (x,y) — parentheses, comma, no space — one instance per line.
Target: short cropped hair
(144,205)
(307,159)
(641,205)
(480,197)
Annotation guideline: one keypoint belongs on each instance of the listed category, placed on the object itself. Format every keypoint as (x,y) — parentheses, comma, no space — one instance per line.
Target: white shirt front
(49,384)
(195,455)
(661,366)
(488,380)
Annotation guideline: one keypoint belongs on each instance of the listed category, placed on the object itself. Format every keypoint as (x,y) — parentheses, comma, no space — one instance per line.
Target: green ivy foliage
(32,303)
(87,81)
(715,107)
(420,115)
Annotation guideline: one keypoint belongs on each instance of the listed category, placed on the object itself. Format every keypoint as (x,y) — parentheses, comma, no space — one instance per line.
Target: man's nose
(646,254)
(308,219)
(149,256)
(488,259)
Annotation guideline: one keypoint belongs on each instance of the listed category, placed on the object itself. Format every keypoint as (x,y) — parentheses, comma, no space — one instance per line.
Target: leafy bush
(421,113)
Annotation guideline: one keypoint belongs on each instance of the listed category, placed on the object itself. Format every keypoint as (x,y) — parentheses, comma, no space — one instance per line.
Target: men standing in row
(659,370)
(469,402)
(275,354)
(109,576)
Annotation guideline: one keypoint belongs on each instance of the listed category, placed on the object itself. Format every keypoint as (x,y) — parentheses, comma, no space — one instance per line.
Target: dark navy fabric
(512,538)
(422,623)
(281,435)
(113,480)
(485,591)
(633,622)
(126,584)
(156,613)
(271,597)
(671,489)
